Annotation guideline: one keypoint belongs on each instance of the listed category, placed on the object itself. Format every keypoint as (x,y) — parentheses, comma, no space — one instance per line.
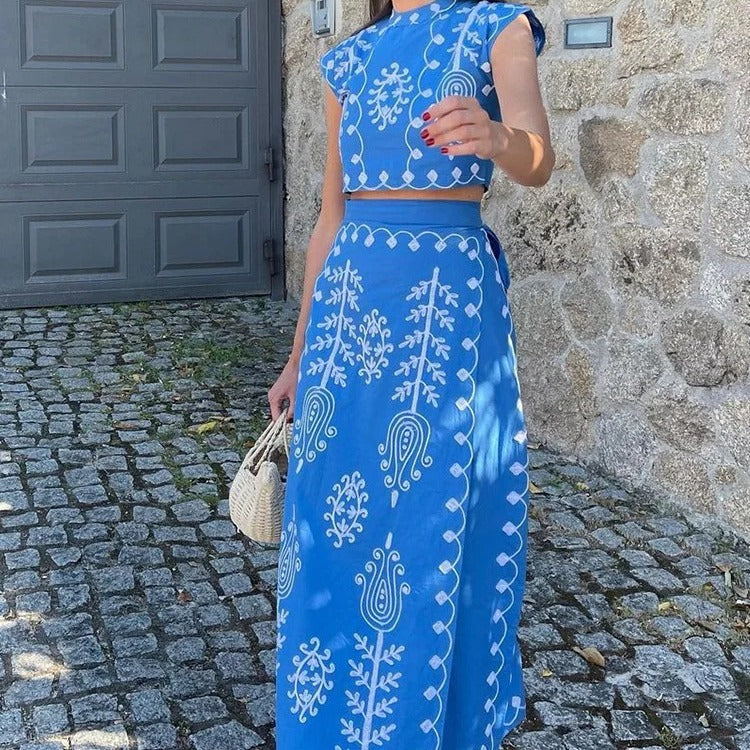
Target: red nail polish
(430,141)
(424,133)
(425,115)
(443,150)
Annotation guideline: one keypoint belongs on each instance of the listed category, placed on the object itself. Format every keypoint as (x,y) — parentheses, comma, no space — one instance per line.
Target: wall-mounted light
(588,32)
(323,13)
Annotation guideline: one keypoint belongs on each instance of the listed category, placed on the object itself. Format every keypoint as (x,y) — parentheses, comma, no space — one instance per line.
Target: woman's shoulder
(340,60)
(497,15)
(345,51)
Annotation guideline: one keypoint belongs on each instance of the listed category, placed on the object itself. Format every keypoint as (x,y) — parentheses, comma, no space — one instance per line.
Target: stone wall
(304,126)
(631,267)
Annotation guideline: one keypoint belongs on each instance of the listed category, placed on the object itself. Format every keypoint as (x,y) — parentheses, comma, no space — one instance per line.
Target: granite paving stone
(587,739)
(156,737)
(11,727)
(705,651)
(642,603)
(683,726)
(202,710)
(21,693)
(669,627)
(94,709)
(28,558)
(50,719)
(148,706)
(134,645)
(741,656)
(138,669)
(260,702)
(133,616)
(105,738)
(232,734)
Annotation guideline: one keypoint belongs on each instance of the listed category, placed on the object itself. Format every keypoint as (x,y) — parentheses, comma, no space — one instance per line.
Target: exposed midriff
(463,193)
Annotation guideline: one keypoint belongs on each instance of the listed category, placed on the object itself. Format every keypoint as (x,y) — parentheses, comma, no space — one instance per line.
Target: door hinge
(269,255)
(270,162)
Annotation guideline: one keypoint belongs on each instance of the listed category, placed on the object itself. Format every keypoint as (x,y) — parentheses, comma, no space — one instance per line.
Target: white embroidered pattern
(289,559)
(310,679)
(281,618)
(347,508)
(451,566)
(338,326)
(405,444)
(381,605)
(341,61)
(389,94)
(340,335)
(509,573)
(314,427)
(458,82)
(374,344)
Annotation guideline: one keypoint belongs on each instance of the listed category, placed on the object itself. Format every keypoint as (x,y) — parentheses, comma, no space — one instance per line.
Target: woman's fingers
(275,407)
(468,124)
(290,410)
(461,149)
(454,119)
(283,390)
(276,401)
(447,104)
(463,133)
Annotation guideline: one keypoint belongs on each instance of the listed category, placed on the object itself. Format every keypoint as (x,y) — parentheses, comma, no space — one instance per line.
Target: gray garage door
(137,150)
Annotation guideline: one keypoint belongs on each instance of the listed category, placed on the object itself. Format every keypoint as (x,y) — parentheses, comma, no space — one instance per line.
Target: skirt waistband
(426,211)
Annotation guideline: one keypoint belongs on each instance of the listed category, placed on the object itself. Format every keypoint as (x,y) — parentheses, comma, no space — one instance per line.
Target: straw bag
(256,495)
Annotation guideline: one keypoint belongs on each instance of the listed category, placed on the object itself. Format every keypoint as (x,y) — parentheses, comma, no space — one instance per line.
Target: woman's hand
(520,144)
(283,389)
(463,119)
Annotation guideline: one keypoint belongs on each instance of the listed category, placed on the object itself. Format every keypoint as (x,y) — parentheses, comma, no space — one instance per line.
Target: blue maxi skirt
(403,554)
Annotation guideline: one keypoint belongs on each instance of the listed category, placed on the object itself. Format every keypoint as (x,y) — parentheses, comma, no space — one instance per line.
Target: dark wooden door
(134,149)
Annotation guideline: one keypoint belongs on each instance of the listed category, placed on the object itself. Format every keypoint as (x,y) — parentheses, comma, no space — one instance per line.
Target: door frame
(276,114)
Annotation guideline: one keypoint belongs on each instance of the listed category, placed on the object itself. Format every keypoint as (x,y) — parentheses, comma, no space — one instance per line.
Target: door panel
(135,162)
(77,251)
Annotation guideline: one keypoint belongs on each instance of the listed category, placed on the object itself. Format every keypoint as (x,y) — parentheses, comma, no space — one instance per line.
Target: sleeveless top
(387,74)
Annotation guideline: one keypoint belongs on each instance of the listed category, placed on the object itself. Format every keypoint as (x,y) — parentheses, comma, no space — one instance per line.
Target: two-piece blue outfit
(402,559)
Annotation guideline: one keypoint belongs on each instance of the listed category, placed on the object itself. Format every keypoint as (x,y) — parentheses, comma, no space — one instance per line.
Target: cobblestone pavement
(132,617)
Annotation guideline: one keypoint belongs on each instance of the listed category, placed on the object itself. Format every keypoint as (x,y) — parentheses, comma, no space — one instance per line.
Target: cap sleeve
(500,14)
(335,67)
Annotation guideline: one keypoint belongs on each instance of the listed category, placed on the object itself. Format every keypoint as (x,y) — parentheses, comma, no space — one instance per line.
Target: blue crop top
(387,74)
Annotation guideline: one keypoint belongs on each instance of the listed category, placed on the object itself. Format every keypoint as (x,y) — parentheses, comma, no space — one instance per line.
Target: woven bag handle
(260,443)
(264,443)
(278,426)
(269,440)
(283,431)
(285,436)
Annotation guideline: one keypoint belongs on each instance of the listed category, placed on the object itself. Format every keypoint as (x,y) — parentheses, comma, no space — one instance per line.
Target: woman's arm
(523,147)
(520,145)
(329,218)
(321,240)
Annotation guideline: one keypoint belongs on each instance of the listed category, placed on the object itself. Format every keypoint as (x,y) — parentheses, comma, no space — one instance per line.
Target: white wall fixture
(323,17)
(588,32)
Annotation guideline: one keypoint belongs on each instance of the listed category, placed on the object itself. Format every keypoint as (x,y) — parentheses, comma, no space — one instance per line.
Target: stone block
(685,106)
(609,146)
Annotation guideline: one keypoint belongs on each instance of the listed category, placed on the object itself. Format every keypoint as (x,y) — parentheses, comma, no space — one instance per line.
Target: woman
(402,559)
